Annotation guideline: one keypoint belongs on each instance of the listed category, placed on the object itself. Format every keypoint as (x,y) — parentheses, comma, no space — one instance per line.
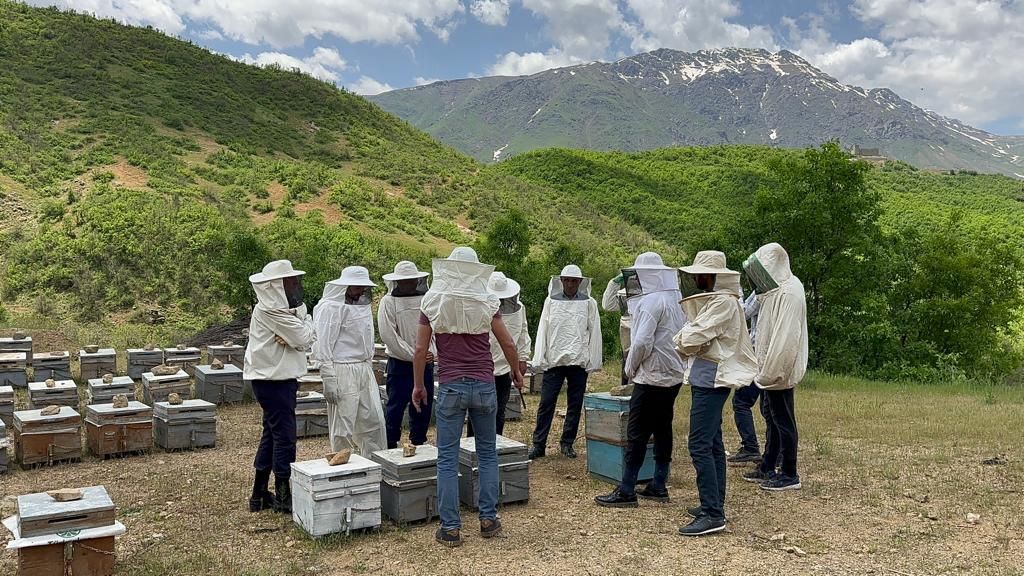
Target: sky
(961,58)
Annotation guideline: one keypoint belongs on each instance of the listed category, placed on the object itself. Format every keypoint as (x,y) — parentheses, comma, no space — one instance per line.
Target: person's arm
(709,324)
(523,344)
(641,340)
(419,364)
(508,347)
(610,298)
(782,338)
(295,330)
(596,351)
(540,346)
(386,323)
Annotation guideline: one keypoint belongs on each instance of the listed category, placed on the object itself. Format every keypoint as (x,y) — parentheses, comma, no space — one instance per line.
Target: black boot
(262,498)
(283,499)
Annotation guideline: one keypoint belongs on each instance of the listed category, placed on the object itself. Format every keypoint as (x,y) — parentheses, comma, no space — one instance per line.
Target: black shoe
(536,451)
(450,538)
(744,456)
(656,494)
(261,498)
(757,476)
(568,451)
(490,528)
(782,482)
(697,512)
(703,525)
(283,497)
(617,500)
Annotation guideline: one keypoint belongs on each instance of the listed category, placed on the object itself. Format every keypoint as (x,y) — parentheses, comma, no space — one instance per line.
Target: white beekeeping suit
(513,314)
(345,349)
(265,358)
(782,343)
(715,336)
(458,301)
(652,358)
(398,315)
(569,331)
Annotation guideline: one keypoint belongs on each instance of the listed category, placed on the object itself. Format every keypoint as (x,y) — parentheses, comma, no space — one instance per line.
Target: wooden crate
(311,415)
(56,365)
(509,451)
(607,417)
(96,364)
(63,393)
(89,557)
(607,461)
(40,515)
(158,388)
(513,484)
(42,439)
(222,386)
(186,359)
(234,355)
(111,431)
(102,393)
(141,361)
(186,426)
(11,344)
(409,485)
(331,499)
(13,369)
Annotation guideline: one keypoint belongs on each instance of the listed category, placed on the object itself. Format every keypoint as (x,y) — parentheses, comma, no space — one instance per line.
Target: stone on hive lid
(149,347)
(174,398)
(408,450)
(19,335)
(217,364)
(51,383)
(51,410)
(229,343)
(65,494)
(120,401)
(108,378)
(301,394)
(91,348)
(180,346)
(165,370)
(340,457)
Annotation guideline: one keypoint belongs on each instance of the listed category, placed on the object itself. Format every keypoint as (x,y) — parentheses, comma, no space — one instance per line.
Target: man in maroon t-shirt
(460,314)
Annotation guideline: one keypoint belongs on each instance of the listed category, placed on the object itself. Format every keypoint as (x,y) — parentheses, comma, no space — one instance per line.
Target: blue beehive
(606,419)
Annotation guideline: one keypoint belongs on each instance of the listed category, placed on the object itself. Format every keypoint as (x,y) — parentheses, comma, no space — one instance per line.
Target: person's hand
(419,397)
(280,340)
(523,367)
(517,379)
(430,357)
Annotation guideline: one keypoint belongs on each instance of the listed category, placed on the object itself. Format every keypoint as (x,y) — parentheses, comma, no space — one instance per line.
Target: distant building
(871,155)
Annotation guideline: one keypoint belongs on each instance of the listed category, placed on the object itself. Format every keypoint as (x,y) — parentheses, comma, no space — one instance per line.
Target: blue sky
(961,58)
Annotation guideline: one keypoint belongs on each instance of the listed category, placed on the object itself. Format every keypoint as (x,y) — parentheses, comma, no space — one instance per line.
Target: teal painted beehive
(606,420)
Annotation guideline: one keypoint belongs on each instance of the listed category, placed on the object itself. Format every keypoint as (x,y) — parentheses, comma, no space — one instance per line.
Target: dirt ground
(890,474)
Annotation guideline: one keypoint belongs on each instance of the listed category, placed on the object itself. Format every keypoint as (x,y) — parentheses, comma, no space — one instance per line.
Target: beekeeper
(657,373)
(568,349)
(781,348)
(280,334)
(398,316)
(614,300)
(460,315)
(513,315)
(721,359)
(344,347)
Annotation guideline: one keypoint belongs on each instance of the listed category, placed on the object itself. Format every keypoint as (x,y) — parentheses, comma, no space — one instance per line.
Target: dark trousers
(707,449)
(399,384)
(277,445)
(623,379)
(503,387)
(781,437)
(742,401)
(576,379)
(650,414)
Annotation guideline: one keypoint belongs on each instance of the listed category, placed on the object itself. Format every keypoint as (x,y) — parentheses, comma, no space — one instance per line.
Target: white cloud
(691,25)
(367,86)
(960,58)
(421,81)
(581,30)
(516,64)
(324,63)
(492,12)
(160,14)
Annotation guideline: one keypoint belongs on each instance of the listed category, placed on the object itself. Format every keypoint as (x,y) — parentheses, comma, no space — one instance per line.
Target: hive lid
(40,506)
(118,382)
(7,391)
(180,375)
(222,348)
(227,370)
(319,469)
(58,385)
(44,356)
(27,416)
(100,352)
(108,409)
(13,356)
(424,454)
(198,407)
(144,352)
(502,444)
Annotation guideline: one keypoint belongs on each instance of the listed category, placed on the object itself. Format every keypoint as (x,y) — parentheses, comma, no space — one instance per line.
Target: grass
(877,459)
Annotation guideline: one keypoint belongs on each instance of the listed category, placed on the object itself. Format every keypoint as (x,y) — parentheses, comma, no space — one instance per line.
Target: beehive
(606,420)
(63,393)
(513,472)
(141,361)
(23,344)
(7,405)
(409,485)
(96,364)
(157,388)
(4,443)
(186,426)
(111,431)
(56,365)
(514,407)
(186,359)
(13,369)
(234,355)
(311,415)
(102,393)
(39,514)
(40,439)
(222,386)
(332,499)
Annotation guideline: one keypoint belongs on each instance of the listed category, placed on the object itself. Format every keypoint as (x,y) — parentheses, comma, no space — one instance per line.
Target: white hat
(501,286)
(275,271)
(571,271)
(709,262)
(464,254)
(650,261)
(354,276)
(405,270)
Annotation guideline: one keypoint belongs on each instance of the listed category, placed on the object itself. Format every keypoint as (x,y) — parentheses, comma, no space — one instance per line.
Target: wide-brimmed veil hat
(275,270)
(354,276)
(571,271)
(502,286)
(709,262)
(405,270)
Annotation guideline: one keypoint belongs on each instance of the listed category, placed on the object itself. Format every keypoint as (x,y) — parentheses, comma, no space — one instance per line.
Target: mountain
(671,98)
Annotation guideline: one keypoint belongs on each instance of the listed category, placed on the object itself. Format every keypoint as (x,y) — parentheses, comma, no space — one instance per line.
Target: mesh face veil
(631,282)
(688,285)
(409,287)
(363,300)
(758,276)
(293,291)
(509,306)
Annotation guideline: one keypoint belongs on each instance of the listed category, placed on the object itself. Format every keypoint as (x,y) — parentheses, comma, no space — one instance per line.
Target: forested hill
(144,178)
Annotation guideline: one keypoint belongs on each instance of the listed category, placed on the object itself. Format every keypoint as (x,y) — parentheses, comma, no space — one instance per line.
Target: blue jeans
(454,399)
(706,448)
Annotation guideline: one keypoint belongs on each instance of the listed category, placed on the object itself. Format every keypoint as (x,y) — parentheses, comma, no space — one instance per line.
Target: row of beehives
(17,361)
(400,486)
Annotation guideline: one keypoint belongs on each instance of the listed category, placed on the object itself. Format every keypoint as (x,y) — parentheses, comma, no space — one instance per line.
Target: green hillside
(142,177)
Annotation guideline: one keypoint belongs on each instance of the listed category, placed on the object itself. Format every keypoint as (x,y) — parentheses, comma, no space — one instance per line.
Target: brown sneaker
(450,538)
(490,528)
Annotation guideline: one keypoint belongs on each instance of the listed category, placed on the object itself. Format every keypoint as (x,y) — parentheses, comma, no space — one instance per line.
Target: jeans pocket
(487,399)
(447,399)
